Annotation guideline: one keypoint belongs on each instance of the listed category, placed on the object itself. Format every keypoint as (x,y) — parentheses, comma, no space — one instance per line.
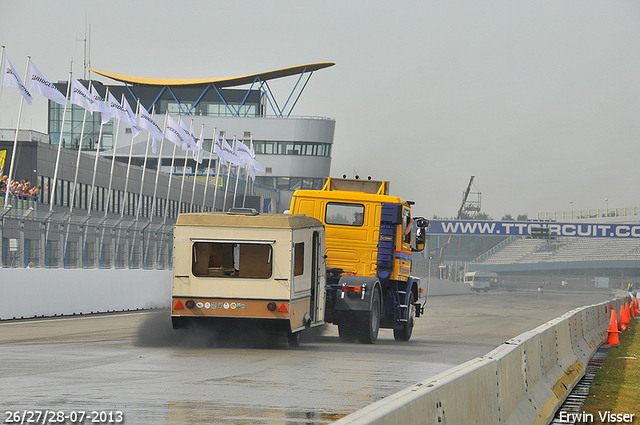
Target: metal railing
(590,213)
(62,240)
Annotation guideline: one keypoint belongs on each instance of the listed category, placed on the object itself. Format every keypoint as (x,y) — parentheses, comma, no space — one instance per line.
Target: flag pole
(55,173)
(125,203)
(144,172)
(75,179)
(106,208)
(206,184)
(195,174)
(155,186)
(14,156)
(144,169)
(2,78)
(226,187)
(95,163)
(113,162)
(215,188)
(238,170)
(166,210)
(184,171)
(246,184)
(173,158)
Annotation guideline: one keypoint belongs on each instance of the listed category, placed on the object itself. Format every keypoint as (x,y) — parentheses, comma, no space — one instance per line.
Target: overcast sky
(538,99)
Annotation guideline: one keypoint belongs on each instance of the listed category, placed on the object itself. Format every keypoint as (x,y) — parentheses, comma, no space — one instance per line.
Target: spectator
(22,189)
(34,193)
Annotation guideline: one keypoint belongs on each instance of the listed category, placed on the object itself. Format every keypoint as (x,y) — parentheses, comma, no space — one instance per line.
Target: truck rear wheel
(369,323)
(404,334)
(346,327)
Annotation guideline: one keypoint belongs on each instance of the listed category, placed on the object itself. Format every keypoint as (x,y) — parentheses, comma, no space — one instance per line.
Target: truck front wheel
(293,339)
(369,323)
(404,334)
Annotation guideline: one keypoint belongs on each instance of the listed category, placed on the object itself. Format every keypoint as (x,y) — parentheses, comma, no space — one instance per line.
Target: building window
(290,148)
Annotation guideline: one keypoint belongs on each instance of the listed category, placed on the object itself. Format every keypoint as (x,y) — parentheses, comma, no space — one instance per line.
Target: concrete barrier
(523,381)
(53,292)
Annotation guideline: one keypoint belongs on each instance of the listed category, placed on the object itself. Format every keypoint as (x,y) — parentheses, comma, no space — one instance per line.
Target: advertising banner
(523,228)
(3,156)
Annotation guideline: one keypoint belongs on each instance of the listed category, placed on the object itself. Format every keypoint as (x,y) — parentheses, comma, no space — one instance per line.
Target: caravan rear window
(232,259)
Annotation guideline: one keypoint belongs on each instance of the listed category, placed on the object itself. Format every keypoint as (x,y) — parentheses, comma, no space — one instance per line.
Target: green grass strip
(616,387)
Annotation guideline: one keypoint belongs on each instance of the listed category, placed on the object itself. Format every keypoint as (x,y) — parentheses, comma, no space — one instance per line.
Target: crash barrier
(37,292)
(523,381)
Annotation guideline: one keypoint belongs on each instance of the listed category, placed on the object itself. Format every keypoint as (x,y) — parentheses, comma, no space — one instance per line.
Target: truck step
(402,292)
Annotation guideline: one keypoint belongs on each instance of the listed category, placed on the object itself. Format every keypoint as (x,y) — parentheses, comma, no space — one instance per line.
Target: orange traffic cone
(632,309)
(627,312)
(612,339)
(636,310)
(623,324)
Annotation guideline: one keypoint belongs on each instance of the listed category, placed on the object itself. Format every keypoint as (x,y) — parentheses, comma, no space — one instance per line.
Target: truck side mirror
(422,222)
(421,234)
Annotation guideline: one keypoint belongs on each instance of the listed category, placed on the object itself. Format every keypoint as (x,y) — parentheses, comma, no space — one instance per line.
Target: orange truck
(369,237)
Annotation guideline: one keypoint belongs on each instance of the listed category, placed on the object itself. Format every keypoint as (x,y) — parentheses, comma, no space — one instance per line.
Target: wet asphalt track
(136,364)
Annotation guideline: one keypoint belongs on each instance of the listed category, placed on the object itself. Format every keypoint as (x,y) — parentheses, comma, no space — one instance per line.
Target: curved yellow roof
(219,82)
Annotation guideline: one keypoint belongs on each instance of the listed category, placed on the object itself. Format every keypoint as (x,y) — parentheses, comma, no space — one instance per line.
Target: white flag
(174,133)
(198,154)
(117,111)
(191,142)
(218,151)
(244,152)
(148,123)
(100,105)
(11,79)
(256,164)
(80,96)
(133,122)
(40,84)
(230,153)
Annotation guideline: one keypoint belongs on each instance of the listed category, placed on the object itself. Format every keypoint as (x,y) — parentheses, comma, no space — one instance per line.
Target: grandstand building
(565,262)
(294,151)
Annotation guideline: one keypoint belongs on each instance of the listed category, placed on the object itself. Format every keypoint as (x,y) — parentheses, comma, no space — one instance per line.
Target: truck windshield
(229,259)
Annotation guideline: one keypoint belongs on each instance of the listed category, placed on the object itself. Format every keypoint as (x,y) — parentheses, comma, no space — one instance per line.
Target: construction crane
(472,207)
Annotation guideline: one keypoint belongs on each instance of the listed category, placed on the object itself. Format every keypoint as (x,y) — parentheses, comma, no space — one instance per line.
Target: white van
(481,280)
